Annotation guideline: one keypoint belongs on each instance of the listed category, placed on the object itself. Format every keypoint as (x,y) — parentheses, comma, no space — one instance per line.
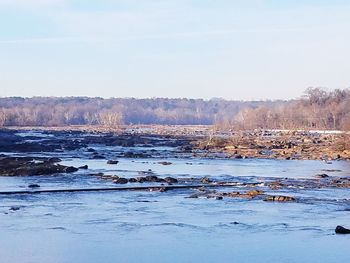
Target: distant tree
(2,118)
(318,108)
(110,119)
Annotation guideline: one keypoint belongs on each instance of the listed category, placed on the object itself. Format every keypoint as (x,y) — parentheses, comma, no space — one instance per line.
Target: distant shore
(218,142)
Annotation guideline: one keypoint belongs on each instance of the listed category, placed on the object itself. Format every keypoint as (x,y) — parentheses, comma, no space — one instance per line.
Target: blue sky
(251,49)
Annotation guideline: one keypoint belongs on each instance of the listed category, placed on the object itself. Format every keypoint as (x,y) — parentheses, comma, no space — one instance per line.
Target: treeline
(48,111)
(317,109)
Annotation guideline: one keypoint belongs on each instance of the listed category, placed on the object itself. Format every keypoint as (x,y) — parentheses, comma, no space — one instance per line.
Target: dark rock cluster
(27,166)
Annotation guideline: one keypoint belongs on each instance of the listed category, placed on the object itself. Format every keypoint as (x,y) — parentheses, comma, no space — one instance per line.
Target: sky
(241,50)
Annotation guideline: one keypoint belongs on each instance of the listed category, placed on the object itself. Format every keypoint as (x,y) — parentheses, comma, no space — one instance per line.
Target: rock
(91,150)
(232,194)
(33,186)
(321,175)
(163,189)
(219,198)
(108,177)
(112,162)
(342,230)
(140,179)
(158,189)
(121,181)
(28,166)
(206,180)
(70,169)
(254,193)
(238,195)
(84,167)
(170,180)
(97,174)
(193,195)
(275,185)
(165,163)
(132,180)
(279,198)
(151,178)
(54,160)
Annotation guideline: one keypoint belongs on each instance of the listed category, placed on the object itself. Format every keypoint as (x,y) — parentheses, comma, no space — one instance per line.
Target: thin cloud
(194,35)
(41,40)
(31,3)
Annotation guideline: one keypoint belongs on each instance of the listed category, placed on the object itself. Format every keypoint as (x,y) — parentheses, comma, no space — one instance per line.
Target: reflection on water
(168,227)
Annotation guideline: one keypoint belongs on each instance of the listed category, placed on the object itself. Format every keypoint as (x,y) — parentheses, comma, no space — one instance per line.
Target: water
(142,226)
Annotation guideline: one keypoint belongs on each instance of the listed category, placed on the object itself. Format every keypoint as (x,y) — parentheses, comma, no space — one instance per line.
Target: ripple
(57,228)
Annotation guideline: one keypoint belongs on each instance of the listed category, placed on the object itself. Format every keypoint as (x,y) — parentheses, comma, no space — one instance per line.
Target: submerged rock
(70,169)
(98,157)
(54,160)
(91,150)
(112,162)
(136,155)
(14,208)
(159,189)
(33,186)
(165,163)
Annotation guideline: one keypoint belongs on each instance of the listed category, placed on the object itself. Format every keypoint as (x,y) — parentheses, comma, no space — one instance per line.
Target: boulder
(342,230)
(121,181)
(170,180)
(151,178)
